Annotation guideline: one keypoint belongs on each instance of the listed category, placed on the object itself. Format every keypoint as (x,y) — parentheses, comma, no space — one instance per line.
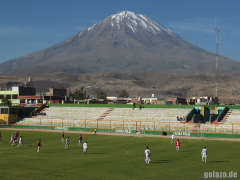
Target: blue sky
(31,25)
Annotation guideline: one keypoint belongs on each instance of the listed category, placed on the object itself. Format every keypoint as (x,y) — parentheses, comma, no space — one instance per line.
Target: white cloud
(199,25)
(205,25)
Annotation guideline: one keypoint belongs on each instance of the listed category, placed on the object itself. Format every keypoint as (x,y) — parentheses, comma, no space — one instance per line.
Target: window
(4,110)
(39,101)
(1,96)
(14,96)
(8,96)
(22,101)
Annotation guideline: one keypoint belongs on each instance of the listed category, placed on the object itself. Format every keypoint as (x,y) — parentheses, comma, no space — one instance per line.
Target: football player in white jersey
(147,154)
(11,139)
(172,138)
(204,154)
(20,142)
(67,143)
(85,148)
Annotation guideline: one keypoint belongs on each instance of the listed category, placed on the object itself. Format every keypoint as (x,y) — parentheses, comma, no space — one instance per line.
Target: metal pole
(217,31)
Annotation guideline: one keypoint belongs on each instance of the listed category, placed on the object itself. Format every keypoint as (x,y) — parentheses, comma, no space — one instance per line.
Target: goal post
(196,134)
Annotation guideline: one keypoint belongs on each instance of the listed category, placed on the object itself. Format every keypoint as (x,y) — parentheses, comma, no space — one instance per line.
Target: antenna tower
(217,31)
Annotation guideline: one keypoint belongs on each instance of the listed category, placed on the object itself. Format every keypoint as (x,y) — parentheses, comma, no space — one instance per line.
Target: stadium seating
(155,119)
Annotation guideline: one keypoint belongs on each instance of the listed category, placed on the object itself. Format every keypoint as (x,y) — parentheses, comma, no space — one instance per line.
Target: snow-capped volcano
(123,42)
(133,22)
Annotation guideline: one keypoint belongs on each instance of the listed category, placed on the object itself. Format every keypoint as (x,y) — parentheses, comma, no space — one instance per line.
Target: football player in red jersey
(63,137)
(14,141)
(39,145)
(80,140)
(177,145)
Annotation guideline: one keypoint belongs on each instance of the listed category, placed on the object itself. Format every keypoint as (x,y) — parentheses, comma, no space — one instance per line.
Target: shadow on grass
(217,161)
(98,153)
(161,161)
(189,150)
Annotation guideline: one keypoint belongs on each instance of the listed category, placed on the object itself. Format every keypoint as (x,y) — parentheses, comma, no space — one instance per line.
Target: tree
(6,101)
(78,94)
(101,95)
(123,94)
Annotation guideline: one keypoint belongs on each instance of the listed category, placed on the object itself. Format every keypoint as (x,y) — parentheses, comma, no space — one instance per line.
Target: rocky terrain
(137,84)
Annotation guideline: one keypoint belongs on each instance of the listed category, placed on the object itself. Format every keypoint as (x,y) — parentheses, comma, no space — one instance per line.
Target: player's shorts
(85,149)
(204,156)
(39,147)
(0,138)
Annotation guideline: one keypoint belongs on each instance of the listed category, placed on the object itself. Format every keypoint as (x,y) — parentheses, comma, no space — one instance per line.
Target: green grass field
(112,157)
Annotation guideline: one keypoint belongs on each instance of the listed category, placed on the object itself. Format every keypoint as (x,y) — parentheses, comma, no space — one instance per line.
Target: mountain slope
(124,42)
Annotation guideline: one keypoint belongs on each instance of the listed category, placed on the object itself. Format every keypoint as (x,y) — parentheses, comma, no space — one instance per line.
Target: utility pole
(217,31)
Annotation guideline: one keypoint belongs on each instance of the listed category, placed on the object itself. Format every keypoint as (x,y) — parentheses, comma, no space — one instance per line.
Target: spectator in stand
(177,118)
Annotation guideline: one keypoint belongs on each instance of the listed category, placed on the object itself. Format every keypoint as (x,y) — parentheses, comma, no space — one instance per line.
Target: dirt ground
(123,134)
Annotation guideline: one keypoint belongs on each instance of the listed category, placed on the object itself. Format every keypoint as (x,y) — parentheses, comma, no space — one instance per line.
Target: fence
(133,125)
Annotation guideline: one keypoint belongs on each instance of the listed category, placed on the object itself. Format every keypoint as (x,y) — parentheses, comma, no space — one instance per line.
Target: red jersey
(0,135)
(80,138)
(62,135)
(38,143)
(16,133)
(177,143)
(14,139)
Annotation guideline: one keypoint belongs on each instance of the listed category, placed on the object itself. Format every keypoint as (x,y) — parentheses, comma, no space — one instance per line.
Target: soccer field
(112,157)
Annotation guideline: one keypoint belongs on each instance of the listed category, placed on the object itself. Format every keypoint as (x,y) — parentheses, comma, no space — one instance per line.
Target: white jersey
(172,136)
(204,152)
(67,141)
(12,137)
(20,141)
(147,152)
(85,145)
